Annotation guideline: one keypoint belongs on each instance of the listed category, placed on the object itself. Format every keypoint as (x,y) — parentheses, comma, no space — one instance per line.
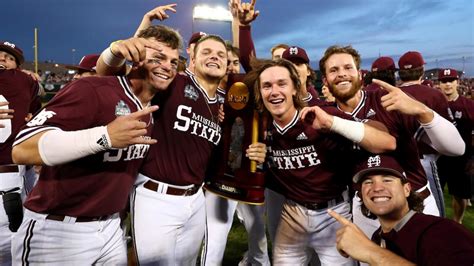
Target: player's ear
(406,189)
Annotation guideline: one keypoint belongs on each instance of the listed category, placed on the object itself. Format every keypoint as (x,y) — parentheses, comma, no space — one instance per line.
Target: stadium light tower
(216,13)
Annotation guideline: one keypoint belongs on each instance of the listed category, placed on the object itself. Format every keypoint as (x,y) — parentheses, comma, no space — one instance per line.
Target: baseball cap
(447,74)
(377,164)
(195,37)
(383,63)
(410,60)
(88,63)
(296,55)
(14,50)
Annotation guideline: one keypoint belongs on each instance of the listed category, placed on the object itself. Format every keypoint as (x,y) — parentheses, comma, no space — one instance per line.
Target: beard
(345,96)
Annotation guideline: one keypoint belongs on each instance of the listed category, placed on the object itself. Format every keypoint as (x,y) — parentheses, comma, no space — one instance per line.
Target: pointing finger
(384,85)
(145,111)
(338,217)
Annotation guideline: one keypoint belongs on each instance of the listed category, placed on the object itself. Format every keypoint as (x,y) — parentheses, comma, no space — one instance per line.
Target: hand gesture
(256,152)
(246,12)
(6,113)
(317,117)
(129,129)
(398,100)
(350,240)
(158,13)
(133,49)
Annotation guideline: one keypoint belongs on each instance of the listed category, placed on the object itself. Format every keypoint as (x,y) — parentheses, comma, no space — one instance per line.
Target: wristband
(111,59)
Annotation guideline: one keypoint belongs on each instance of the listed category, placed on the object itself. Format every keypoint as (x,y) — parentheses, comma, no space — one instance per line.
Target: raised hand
(133,49)
(245,11)
(129,129)
(397,100)
(158,13)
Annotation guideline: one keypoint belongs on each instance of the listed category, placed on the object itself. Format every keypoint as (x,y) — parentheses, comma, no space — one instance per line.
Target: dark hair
(209,37)
(411,74)
(252,80)
(232,48)
(415,203)
(335,49)
(163,34)
(387,75)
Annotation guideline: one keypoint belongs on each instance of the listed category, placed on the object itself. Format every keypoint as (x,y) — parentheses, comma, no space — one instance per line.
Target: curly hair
(335,49)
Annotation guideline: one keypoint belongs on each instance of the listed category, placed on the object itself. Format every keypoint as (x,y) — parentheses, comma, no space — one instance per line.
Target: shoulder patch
(122,109)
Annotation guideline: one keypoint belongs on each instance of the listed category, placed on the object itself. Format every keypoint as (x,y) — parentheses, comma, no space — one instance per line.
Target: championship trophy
(231,174)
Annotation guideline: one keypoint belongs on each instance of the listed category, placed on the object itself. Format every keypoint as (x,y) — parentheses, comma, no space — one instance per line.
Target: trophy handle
(253,164)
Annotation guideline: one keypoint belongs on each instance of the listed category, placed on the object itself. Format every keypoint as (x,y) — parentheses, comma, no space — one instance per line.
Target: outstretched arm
(351,241)
(374,139)
(443,135)
(54,147)
(158,13)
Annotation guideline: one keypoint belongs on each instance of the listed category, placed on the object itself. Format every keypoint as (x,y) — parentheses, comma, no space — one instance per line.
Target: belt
(322,205)
(9,169)
(172,190)
(425,193)
(81,219)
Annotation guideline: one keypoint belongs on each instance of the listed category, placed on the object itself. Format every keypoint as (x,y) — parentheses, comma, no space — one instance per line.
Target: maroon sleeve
(36,100)
(247,49)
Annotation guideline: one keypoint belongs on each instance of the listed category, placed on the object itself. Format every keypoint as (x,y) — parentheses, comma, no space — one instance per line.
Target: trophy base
(235,188)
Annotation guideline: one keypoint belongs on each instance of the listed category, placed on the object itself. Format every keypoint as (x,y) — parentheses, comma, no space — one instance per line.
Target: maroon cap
(447,73)
(383,63)
(88,63)
(296,55)
(14,50)
(195,37)
(380,163)
(410,60)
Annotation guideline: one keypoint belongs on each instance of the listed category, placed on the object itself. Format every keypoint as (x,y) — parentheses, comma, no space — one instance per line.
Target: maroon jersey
(435,100)
(306,163)
(429,240)
(21,92)
(98,184)
(463,112)
(187,129)
(312,99)
(400,126)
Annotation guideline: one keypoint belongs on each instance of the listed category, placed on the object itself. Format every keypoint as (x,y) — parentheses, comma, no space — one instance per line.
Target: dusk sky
(443,31)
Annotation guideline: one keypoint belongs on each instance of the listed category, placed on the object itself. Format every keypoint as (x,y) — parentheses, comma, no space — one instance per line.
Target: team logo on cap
(293,50)
(373,161)
(447,72)
(9,44)
(122,109)
(191,93)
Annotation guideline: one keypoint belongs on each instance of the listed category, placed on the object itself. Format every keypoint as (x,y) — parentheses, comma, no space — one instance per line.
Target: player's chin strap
(351,130)
(59,147)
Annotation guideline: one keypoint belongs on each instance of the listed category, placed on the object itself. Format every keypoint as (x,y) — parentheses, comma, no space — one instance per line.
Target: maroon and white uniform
(313,170)
(452,170)
(429,240)
(403,128)
(21,92)
(169,197)
(91,190)
(435,100)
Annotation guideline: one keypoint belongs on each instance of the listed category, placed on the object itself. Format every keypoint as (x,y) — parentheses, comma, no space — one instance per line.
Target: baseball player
(220,211)
(19,93)
(169,197)
(304,160)
(92,138)
(406,236)
(86,67)
(411,69)
(340,68)
(383,68)
(453,170)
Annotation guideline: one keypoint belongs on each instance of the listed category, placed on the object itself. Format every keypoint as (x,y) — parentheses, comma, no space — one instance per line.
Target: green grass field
(237,240)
